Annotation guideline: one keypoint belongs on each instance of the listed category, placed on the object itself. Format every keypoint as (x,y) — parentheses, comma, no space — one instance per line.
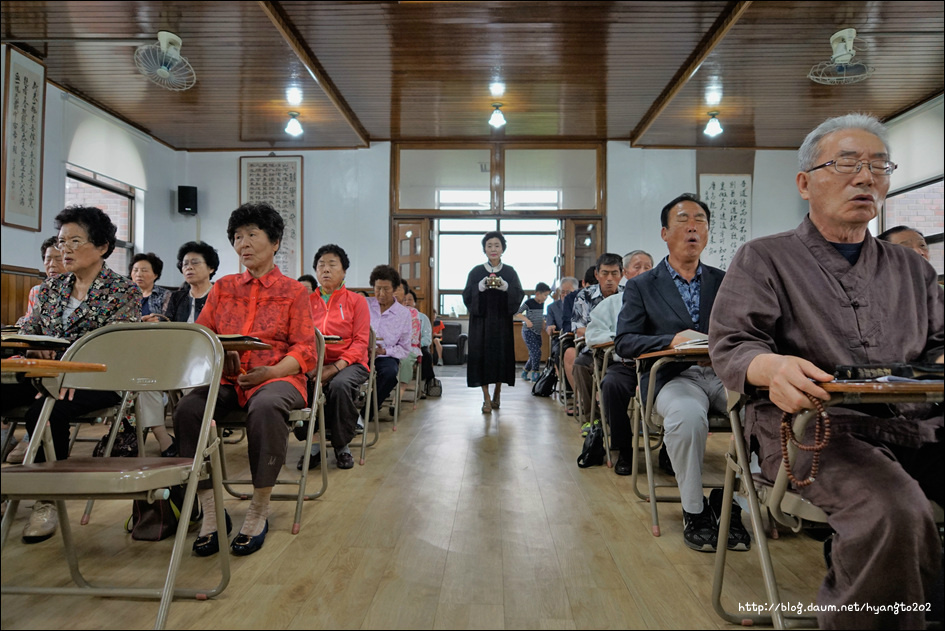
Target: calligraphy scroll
(729,200)
(277,181)
(24,106)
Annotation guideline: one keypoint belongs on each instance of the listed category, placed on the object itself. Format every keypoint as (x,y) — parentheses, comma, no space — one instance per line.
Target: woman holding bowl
(492,295)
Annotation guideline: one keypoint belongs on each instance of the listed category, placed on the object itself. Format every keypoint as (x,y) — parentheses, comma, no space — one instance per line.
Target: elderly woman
(268,384)
(52,265)
(405,373)
(492,295)
(88,295)
(344,313)
(426,338)
(144,270)
(198,262)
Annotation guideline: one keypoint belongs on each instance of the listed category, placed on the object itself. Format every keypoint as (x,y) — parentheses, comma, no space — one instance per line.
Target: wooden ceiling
(373,71)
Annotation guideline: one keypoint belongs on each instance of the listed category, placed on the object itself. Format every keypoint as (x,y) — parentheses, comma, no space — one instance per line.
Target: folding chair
(370,399)
(311,416)
(782,504)
(579,405)
(562,379)
(414,386)
(177,346)
(602,355)
(646,423)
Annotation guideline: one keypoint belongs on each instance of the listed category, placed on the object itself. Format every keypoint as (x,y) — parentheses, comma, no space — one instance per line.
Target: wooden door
(583,244)
(413,258)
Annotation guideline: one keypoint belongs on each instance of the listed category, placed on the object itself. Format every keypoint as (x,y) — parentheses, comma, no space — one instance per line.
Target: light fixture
(497,88)
(294,127)
(293,96)
(713,128)
(497,119)
(713,94)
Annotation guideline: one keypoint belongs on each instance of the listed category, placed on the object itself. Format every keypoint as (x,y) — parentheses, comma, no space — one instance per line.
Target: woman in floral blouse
(268,384)
(87,296)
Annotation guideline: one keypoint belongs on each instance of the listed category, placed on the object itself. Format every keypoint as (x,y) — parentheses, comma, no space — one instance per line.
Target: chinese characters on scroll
(278,181)
(729,199)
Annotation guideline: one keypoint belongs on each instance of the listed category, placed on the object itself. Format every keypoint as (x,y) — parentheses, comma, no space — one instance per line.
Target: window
(85,188)
(532,249)
(920,208)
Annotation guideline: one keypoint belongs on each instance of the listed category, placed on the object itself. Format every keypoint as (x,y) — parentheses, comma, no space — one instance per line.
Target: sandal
(487,407)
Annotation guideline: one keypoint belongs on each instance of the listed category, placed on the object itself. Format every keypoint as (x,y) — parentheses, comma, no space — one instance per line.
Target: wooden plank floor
(458,520)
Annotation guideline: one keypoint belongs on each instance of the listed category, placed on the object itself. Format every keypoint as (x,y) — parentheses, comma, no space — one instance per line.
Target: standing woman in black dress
(492,295)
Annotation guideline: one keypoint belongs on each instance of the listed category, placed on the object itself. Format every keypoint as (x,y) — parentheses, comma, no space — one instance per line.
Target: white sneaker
(42,523)
(18,453)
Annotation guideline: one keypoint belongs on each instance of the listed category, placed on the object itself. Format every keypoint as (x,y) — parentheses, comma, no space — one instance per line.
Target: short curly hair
(384,272)
(331,248)
(157,265)
(209,253)
(261,215)
(48,243)
(495,234)
(96,223)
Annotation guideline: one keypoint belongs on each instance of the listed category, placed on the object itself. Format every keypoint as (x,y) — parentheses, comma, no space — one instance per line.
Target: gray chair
(310,417)
(172,346)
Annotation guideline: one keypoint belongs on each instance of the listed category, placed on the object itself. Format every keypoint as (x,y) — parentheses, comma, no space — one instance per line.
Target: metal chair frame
(312,417)
(782,504)
(126,478)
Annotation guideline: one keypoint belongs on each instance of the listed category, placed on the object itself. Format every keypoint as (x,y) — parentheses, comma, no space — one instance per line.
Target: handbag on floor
(434,388)
(126,442)
(158,520)
(545,385)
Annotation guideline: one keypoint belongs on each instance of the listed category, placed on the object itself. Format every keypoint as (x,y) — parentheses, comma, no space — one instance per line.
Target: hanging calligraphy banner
(24,107)
(277,181)
(729,200)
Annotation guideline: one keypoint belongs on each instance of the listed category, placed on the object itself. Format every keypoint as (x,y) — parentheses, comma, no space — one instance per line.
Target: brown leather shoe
(42,523)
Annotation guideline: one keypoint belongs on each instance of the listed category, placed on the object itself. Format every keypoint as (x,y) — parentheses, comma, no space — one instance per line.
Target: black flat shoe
(209,545)
(314,461)
(245,545)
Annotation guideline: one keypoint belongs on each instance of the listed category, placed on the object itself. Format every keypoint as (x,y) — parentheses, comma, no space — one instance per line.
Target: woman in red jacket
(344,313)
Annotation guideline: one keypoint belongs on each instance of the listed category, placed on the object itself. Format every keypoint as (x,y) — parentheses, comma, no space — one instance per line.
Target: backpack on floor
(592,454)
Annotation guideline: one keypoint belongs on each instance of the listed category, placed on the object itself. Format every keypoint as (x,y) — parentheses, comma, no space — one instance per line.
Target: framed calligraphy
(729,199)
(24,108)
(278,181)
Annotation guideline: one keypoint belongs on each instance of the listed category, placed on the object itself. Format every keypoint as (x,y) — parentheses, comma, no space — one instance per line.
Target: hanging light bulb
(497,119)
(713,128)
(294,127)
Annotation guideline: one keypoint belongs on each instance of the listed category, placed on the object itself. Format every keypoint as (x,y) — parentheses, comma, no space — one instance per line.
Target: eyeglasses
(852,165)
(191,263)
(69,244)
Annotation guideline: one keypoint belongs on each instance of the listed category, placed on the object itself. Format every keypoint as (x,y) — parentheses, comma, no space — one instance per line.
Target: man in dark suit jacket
(658,307)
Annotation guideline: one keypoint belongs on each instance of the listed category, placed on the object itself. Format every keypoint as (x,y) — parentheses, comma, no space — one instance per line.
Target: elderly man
(620,382)
(658,308)
(392,326)
(634,264)
(607,273)
(795,305)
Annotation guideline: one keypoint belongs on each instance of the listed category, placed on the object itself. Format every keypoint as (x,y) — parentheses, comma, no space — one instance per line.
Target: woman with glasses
(88,295)
(198,262)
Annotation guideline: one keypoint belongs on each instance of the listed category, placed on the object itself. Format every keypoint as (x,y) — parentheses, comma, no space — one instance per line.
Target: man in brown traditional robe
(794,306)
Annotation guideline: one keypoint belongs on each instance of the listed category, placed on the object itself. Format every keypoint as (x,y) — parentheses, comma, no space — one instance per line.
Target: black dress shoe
(172,451)
(345,460)
(624,465)
(245,545)
(210,544)
(313,462)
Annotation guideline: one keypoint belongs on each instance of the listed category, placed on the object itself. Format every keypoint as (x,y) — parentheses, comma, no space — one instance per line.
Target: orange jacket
(347,316)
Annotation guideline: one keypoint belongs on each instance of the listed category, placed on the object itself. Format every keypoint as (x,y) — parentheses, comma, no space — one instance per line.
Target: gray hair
(569,279)
(629,256)
(810,149)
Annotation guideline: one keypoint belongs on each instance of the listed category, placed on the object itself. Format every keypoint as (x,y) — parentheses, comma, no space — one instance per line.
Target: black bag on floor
(593,453)
(126,442)
(547,381)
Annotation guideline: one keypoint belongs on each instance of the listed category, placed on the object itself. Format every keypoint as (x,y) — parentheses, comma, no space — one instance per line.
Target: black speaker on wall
(187,200)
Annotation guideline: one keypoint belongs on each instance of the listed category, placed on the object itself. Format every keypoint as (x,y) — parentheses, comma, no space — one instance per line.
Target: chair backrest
(144,356)
(451,332)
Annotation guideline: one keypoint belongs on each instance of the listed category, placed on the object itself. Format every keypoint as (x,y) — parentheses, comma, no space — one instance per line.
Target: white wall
(346,199)
(776,204)
(639,183)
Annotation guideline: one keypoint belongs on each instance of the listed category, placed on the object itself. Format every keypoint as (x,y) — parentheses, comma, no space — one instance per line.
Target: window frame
(91,178)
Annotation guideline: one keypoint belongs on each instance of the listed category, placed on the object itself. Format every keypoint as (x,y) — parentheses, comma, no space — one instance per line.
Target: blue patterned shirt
(688,291)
